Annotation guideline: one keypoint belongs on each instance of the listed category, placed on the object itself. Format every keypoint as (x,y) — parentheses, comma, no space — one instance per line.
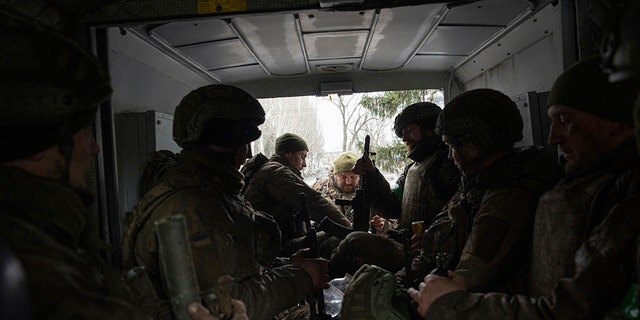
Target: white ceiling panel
(219,54)
(486,12)
(335,45)
(190,32)
(456,40)
(237,74)
(275,40)
(391,45)
(432,37)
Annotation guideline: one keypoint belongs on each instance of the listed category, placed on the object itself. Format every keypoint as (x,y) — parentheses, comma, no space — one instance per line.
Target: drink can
(417,227)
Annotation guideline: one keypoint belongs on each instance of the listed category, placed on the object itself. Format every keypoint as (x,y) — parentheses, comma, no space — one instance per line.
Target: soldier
(620,61)
(422,190)
(483,231)
(214,125)
(584,228)
(275,188)
(426,184)
(485,224)
(341,182)
(50,89)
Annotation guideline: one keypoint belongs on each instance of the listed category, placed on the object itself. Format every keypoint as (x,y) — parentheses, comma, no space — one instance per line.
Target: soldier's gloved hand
(363,166)
(199,312)
(317,268)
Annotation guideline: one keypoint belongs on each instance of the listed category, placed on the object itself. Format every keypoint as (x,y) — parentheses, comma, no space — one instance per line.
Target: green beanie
(344,162)
(585,87)
(290,142)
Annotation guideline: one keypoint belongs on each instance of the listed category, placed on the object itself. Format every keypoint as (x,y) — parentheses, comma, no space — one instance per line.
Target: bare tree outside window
(360,114)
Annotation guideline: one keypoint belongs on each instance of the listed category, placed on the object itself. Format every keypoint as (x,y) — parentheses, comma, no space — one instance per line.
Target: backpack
(251,167)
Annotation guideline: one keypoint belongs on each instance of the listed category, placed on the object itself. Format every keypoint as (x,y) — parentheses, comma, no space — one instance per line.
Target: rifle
(316,301)
(360,202)
(440,269)
(403,236)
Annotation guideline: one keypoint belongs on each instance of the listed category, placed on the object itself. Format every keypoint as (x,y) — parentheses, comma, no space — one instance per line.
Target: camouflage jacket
(327,188)
(228,237)
(43,223)
(275,189)
(604,262)
(578,202)
(485,227)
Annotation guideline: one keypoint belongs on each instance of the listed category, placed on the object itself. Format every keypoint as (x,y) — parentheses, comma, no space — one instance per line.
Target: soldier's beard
(347,188)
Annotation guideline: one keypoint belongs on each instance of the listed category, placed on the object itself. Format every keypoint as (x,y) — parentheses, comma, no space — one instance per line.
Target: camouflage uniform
(214,125)
(426,185)
(364,248)
(227,236)
(603,263)
(585,228)
(620,61)
(274,189)
(43,223)
(50,89)
(484,228)
(423,189)
(327,188)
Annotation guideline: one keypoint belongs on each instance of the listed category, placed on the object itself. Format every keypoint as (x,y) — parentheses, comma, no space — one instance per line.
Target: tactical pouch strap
(141,214)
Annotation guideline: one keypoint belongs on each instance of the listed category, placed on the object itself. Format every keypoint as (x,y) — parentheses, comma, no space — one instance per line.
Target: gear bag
(251,167)
(374,294)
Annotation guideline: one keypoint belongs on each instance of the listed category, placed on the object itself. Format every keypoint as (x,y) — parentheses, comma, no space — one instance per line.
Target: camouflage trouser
(360,248)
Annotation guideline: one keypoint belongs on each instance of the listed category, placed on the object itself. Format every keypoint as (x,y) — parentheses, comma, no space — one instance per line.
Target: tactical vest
(264,227)
(449,232)
(421,199)
(570,204)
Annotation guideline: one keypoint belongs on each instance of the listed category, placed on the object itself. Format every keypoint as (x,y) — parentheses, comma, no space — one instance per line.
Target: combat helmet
(49,87)
(620,49)
(423,113)
(487,117)
(373,294)
(218,114)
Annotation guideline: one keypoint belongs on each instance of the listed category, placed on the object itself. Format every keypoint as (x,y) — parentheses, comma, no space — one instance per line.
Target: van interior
(158,51)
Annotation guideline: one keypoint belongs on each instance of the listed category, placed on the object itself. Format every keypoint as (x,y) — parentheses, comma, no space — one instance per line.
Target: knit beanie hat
(290,142)
(585,87)
(344,162)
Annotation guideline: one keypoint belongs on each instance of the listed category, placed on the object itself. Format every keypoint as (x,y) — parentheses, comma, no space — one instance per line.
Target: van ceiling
(331,50)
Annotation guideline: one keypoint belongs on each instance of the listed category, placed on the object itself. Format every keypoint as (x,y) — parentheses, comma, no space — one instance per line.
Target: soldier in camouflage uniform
(426,184)
(50,89)
(422,190)
(341,182)
(214,125)
(584,228)
(483,231)
(275,188)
